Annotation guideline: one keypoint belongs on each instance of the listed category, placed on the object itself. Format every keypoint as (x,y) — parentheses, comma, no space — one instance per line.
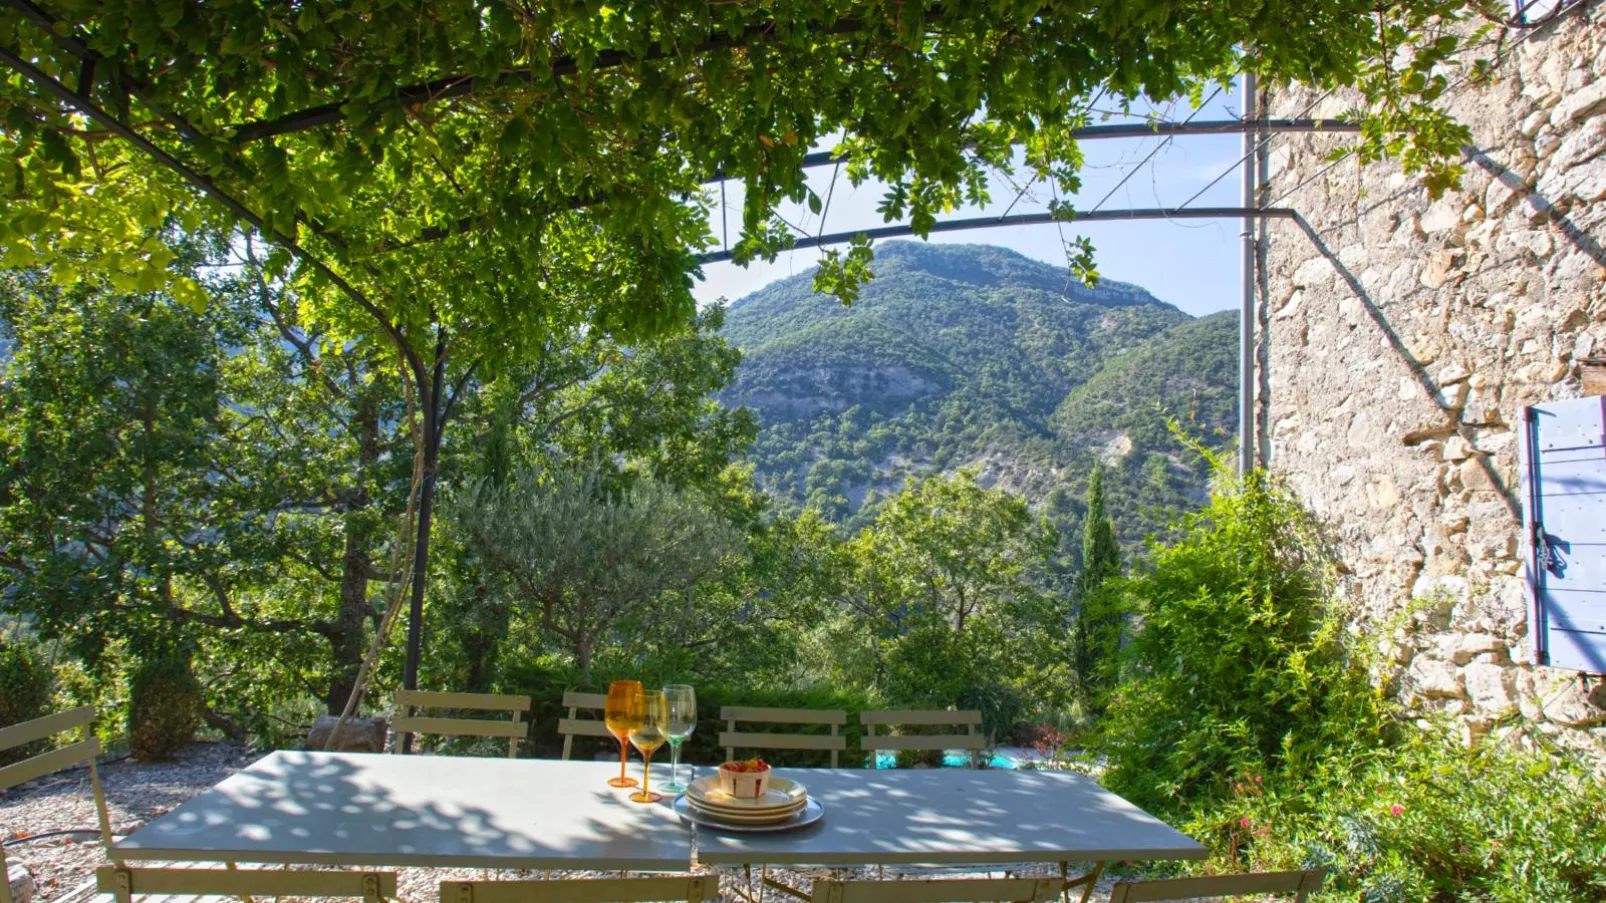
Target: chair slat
(239,882)
(576,699)
(460,727)
(491,702)
(939,741)
(690,888)
(937,890)
(920,716)
(783,716)
(737,740)
(45,763)
(1302,883)
(40,728)
(582,727)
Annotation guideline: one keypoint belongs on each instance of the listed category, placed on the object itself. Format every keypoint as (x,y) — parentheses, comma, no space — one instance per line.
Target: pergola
(107,91)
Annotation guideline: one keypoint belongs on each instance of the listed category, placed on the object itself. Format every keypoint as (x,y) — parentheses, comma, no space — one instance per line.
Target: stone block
(1536,208)
(1476,476)
(1431,678)
(1578,105)
(1500,195)
(1437,595)
(1533,123)
(1568,702)
(1452,397)
(1492,688)
(1536,243)
(21,882)
(1441,264)
(356,735)
(1315,271)
(1445,214)
(1469,645)
(1580,147)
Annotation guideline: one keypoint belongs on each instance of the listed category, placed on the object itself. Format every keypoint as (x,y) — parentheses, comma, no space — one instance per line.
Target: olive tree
(585,558)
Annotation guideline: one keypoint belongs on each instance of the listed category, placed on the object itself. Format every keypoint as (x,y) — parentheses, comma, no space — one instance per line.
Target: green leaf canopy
(482,164)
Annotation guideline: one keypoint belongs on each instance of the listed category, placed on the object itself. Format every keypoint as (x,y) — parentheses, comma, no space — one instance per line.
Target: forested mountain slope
(970,355)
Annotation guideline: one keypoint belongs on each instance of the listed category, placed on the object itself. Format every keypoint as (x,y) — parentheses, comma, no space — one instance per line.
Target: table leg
(748,895)
(1090,880)
(233,868)
(788,889)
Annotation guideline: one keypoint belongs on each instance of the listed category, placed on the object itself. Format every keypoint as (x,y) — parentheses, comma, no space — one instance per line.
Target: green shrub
(1239,663)
(25,683)
(164,707)
(1424,819)
(1243,721)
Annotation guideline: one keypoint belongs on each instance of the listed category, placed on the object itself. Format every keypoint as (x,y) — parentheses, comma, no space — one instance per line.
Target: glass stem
(646,775)
(674,761)
(622,755)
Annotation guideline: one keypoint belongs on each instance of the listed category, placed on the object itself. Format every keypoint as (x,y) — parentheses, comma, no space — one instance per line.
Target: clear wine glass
(682,721)
(649,734)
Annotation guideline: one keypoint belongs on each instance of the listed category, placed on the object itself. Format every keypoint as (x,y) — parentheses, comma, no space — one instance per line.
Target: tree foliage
(219,476)
(585,558)
(467,182)
(1239,661)
(1097,638)
(25,684)
(448,166)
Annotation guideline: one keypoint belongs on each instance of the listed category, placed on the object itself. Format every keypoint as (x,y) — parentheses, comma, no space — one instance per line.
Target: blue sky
(1190,263)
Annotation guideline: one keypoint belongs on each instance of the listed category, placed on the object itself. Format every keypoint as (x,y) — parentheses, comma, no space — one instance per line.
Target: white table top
(367,809)
(386,810)
(955,815)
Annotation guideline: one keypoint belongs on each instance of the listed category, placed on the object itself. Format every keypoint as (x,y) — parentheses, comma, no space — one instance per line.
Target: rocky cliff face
(975,356)
(1405,336)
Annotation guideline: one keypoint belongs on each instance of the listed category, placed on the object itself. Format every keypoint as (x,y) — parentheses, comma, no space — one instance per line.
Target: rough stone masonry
(1403,336)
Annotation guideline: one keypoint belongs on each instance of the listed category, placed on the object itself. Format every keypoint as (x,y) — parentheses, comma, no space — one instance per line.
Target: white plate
(741,815)
(812,812)
(779,795)
(749,818)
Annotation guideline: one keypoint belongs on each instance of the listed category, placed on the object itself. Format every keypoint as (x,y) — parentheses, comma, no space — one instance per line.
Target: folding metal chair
(1301,884)
(575,726)
(50,762)
(123,882)
(970,740)
(732,739)
(406,722)
(687,888)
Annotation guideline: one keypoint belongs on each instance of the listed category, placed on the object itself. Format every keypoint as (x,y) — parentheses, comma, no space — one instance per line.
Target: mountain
(976,356)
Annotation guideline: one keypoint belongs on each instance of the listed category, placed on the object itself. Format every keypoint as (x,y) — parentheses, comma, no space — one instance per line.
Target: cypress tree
(1098,623)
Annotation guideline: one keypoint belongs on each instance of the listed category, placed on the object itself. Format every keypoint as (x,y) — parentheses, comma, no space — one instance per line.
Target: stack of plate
(782,801)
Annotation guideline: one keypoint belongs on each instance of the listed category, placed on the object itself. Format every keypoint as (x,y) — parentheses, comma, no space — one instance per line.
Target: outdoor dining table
(364,809)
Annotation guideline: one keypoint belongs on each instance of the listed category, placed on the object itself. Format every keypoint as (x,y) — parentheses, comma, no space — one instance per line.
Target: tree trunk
(431,405)
(346,641)
(582,655)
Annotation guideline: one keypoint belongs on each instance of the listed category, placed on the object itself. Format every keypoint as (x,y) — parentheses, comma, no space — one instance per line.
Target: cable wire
(1165,142)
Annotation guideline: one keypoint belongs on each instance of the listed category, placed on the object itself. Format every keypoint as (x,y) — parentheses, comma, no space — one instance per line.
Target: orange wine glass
(650,733)
(622,714)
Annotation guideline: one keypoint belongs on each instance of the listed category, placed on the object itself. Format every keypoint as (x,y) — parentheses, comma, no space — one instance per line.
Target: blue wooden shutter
(1565,517)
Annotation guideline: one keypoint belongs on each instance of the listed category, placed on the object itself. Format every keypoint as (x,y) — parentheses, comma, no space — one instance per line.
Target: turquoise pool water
(888,759)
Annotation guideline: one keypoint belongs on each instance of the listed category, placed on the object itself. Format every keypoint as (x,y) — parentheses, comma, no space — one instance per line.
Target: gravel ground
(62,864)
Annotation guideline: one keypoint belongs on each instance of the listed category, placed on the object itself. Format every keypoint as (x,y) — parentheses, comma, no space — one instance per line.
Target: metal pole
(1262,292)
(1021,219)
(1246,311)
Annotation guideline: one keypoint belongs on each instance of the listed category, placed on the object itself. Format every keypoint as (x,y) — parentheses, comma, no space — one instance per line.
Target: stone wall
(1403,335)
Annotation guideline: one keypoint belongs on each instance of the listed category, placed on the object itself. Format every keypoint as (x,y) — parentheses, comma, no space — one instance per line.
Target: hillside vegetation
(971,355)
